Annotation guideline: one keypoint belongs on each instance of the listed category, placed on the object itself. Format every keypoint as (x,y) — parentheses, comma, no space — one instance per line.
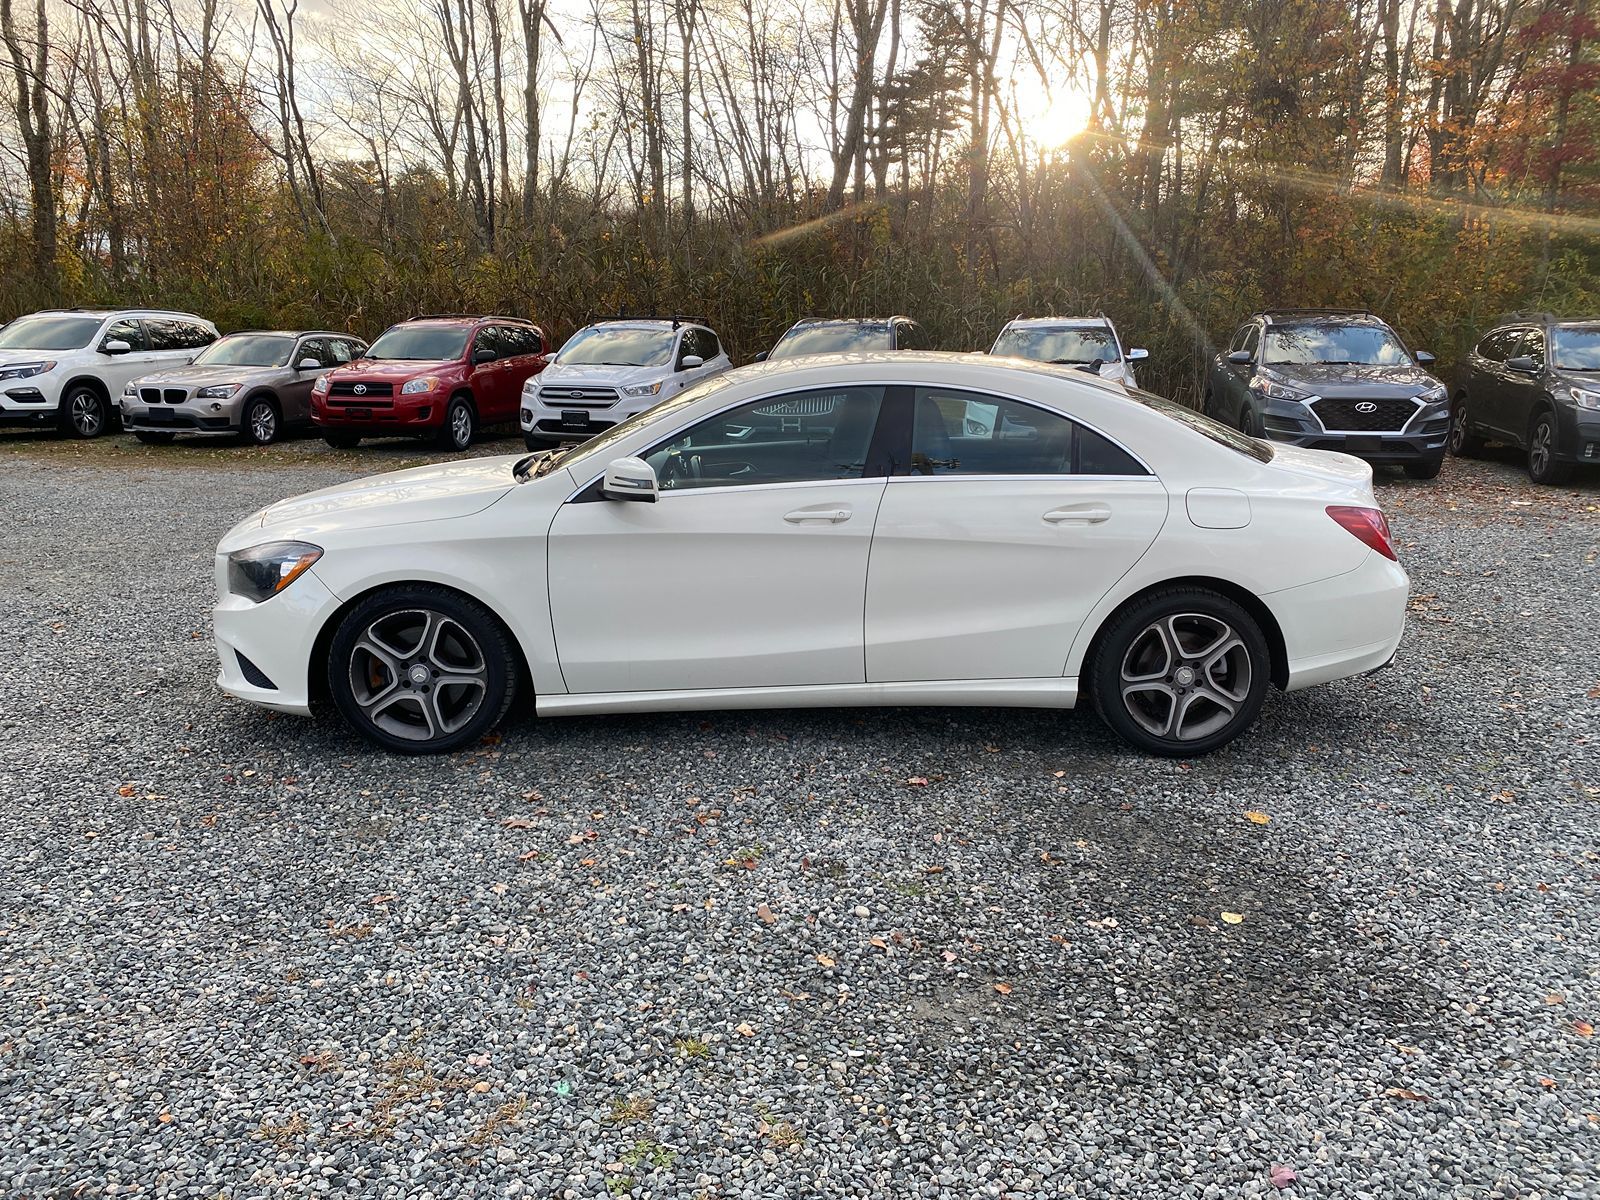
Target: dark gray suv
(1332,379)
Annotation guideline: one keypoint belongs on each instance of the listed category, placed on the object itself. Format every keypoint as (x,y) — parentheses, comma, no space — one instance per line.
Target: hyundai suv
(1533,382)
(1088,342)
(432,377)
(846,335)
(608,371)
(1332,379)
(67,367)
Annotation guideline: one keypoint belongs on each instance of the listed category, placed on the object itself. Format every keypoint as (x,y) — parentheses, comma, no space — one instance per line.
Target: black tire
(155,438)
(84,412)
(1150,704)
(1425,468)
(1544,442)
(1247,420)
(384,660)
(535,442)
(261,422)
(1463,442)
(342,441)
(460,425)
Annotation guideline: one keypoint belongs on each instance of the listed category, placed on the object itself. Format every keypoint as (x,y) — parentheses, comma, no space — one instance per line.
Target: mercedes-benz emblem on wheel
(1366,406)
(360,389)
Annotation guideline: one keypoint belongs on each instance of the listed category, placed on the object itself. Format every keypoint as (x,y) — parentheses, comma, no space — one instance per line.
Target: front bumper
(1347,625)
(31,400)
(1579,430)
(416,413)
(214,417)
(264,650)
(1422,437)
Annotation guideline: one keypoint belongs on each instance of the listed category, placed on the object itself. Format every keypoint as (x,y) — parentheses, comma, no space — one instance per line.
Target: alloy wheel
(1541,449)
(418,674)
(86,414)
(1458,427)
(461,426)
(1185,676)
(263,423)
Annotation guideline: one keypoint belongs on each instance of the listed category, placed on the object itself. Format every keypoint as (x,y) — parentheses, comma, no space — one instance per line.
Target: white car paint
(908,589)
(1119,369)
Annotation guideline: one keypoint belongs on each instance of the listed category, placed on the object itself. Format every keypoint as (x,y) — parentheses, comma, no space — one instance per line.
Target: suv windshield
(49,332)
(1060,344)
(1215,430)
(421,341)
(246,350)
(1577,349)
(618,346)
(833,337)
(1302,345)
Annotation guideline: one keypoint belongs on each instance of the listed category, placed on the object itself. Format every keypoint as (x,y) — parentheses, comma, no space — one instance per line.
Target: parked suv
(608,371)
(845,335)
(1088,342)
(438,377)
(67,367)
(1332,379)
(1533,381)
(255,384)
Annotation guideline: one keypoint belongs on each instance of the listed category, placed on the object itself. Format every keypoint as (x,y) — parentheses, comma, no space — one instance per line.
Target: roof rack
(677,319)
(467,317)
(814,320)
(1506,318)
(1269,313)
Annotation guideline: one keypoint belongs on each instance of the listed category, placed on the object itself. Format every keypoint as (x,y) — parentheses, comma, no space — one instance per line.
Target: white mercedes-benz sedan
(867,529)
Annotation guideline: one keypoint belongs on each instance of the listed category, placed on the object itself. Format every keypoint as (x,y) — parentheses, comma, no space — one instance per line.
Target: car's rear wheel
(1543,465)
(156,438)
(1180,672)
(84,412)
(261,425)
(421,669)
(1463,442)
(460,425)
(342,441)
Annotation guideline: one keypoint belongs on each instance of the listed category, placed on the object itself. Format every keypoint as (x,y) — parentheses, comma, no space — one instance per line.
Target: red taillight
(1368,524)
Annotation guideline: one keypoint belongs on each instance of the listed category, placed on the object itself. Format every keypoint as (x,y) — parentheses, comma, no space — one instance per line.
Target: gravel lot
(793,954)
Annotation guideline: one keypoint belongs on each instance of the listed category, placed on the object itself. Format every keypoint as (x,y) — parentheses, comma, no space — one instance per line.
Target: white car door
(749,571)
(992,552)
(117,370)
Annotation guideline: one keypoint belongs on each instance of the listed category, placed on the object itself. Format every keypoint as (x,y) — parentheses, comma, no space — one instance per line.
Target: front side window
(421,341)
(1533,346)
(49,332)
(1577,348)
(127,331)
(1252,339)
(619,346)
(1074,346)
(833,337)
(971,433)
(814,435)
(1342,345)
(247,350)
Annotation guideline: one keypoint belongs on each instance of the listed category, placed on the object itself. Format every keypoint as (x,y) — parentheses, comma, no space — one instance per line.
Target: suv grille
(578,395)
(157,395)
(347,387)
(1342,414)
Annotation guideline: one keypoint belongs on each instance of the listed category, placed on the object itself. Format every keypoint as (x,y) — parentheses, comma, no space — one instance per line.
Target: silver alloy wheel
(1185,676)
(418,674)
(1542,448)
(461,426)
(85,413)
(1458,427)
(263,422)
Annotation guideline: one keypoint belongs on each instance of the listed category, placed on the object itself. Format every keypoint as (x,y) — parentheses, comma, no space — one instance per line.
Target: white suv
(68,366)
(1089,342)
(608,371)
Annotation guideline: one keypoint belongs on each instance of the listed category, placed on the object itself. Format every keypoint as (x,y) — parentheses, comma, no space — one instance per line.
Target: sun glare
(1052,117)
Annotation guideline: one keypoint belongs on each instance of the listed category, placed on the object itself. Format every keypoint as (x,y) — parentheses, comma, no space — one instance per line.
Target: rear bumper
(1347,625)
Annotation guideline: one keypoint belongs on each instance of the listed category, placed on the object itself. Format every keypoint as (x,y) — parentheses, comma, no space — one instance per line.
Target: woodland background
(346,165)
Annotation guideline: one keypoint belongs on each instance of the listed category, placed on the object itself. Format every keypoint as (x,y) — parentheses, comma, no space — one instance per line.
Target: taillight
(1368,524)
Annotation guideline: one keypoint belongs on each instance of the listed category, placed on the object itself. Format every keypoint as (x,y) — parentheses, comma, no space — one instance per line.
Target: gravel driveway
(885,953)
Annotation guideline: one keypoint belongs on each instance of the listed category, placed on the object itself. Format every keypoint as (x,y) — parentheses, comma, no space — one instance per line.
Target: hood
(434,493)
(1401,381)
(204,375)
(392,368)
(599,375)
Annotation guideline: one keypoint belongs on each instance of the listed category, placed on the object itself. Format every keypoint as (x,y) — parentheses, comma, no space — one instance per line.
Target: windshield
(595,449)
(1215,430)
(832,337)
(1577,349)
(49,332)
(1302,345)
(618,346)
(1060,344)
(246,350)
(421,342)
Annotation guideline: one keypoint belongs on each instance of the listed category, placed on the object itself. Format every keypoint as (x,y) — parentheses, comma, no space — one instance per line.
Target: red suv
(438,377)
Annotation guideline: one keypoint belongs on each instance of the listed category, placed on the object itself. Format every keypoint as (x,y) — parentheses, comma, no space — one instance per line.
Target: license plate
(574,418)
(158,415)
(1361,445)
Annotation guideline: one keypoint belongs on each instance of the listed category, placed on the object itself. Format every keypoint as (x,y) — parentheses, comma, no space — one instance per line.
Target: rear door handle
(1078,514)
(806,516)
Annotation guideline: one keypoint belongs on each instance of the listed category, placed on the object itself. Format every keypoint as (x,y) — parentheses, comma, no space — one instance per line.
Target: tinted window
(169,333)
(833,337)
(1239,337)
(1532,345)
(1496,345)
(126,331)
(813,435)
(1058,344)
(197,335)
(49,333)
(489,338)
(519,339)
(697,341)
(912,336)
(246,350)
(969,433)
(1252,339)
(345,350)
(1371,345)
(422,341)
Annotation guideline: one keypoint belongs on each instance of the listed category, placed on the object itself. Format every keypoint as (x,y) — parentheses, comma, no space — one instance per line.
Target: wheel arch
(93,382)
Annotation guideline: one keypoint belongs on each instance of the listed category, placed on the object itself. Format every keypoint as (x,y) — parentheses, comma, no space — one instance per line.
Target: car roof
(118,312)
(647,323)
(461,319)
(1046,322)
(1319,316)
(851,320)
(296,333)
(921,360)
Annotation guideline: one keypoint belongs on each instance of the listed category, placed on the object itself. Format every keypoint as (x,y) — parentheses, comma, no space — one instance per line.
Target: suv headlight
(1584,398)
(642,389)
(320,385)
(217,391)
(129,391)
(261,572)
(26,370)
(1437,394)
(424,383)
(1274,389)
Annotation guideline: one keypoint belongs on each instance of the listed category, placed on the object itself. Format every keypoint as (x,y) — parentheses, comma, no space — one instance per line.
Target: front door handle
(828,516)
(1078,514)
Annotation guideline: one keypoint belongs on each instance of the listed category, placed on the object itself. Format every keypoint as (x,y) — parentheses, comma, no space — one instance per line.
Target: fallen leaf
(382,899)
(745,1029)
(1258,818)
(1233,918)
(766,914)
(916,781)
(517,823)
(165,1118)
(1583,1028)
(1400,1093)
(1547,1083)
(499,889)
(1003,988)
(125,790)
(826,960)
(1281,1176)
(1555,998)
(879,943)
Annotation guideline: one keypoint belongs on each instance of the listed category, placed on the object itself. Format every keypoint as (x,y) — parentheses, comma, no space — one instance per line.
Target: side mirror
(690,362)
(1137,353)
(1424,359)
(308,364)
(116,346)
(1241,357)
(630,479)
(1524,364)
(479,357)
(761,357)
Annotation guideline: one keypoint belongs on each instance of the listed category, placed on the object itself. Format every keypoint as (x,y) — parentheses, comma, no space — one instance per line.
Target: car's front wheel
(155,438)
(460,425)
(421,669)
(1180,672)
(1543,465)
(84,412)
(1425,468)
(534,442)
(341,440)
(1463,442)
(261,425)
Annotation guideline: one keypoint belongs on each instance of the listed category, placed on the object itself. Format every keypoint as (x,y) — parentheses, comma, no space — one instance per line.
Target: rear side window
(519,339)
(971,433)
(489,339)
(170,333)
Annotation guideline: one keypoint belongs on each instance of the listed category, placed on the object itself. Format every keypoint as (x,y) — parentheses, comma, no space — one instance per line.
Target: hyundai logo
(1366,406)
(360,389)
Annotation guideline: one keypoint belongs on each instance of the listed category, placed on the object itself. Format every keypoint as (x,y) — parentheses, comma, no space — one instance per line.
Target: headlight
(320,387)
(642,389)
(412,386)
(1584,398)
(1272,389)
(26,370)
(261,572)
(129,391)
(217,391)
(1437,394)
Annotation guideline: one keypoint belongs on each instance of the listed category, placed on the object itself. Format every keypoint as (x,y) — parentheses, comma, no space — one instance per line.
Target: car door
(294,393)
(120,369)
(490,386)
(749,571)
(1521,390)
(1489,401)
(990,554)
(692,341)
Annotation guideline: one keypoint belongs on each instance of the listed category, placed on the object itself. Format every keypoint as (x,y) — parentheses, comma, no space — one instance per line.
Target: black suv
(1533,381)
(845,335)
(1332,379)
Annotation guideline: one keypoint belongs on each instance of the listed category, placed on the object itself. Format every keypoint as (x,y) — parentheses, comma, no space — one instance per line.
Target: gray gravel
(750,954)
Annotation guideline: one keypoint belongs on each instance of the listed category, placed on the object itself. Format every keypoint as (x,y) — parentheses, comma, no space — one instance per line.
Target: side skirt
(1004,693)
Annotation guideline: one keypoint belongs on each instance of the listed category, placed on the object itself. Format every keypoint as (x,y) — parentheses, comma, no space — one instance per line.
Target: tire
(261,424)
(1188,703)
(1463,442)
(534,442)
(84,412)
(1544,440)
(155,438)
(342,441)
(1425,468)
(388,653)
(460,425)
(1247,421)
